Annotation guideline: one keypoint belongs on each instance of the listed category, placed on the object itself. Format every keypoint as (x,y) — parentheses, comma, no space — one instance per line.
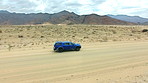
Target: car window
(66,43)
(58,44)
(71,44)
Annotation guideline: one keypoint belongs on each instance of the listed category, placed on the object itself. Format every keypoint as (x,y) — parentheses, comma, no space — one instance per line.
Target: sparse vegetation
(31,35)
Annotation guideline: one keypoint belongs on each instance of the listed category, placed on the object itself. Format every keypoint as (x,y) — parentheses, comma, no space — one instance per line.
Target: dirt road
(120,62)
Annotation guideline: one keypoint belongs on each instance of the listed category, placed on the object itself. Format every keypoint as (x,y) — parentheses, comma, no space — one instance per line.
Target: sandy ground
(106,62)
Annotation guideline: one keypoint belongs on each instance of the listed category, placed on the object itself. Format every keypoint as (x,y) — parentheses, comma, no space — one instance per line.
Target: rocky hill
(63,17)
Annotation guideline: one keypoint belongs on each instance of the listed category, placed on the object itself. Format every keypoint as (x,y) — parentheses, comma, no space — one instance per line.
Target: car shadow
(65,51)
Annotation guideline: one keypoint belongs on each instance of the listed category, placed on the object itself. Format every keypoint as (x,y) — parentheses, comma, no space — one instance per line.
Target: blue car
(66,46)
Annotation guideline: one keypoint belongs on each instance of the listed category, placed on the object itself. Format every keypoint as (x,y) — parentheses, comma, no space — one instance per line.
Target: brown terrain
(63,17)
(109,54)
(103,20)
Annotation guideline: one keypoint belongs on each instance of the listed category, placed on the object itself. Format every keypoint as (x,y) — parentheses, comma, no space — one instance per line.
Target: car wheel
(60,49)
(77,49)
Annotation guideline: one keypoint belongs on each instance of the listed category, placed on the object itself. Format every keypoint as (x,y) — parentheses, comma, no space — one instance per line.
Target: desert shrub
(28,35)
(115,39)
(145,30)
(104,39)
(9,47)
(0,31)
(20,36)
(42,36)
(21,30)
(114,32)
(133,31)
(70,23)
(85,37)
(10,35)
(33,37)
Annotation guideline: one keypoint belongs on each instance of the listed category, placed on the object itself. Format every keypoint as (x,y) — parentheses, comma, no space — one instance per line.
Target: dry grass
(45,35)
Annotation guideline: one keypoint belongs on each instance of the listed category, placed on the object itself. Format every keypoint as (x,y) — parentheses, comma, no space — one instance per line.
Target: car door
(71,46)
(68,46)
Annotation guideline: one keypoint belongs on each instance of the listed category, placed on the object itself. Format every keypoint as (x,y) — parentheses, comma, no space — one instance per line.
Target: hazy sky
(101,7)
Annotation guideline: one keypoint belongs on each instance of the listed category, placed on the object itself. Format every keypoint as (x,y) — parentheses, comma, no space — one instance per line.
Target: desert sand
(124,60)
(120,62)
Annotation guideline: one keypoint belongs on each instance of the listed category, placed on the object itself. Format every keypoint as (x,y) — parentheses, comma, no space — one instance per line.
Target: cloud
(17,6)
(101,7)
(124,7)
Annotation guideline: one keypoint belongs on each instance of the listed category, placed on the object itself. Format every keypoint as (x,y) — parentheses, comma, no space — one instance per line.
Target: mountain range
(134,19)
(63,17)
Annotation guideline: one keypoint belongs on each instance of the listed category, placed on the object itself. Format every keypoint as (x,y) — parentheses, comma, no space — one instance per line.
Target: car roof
(63,42)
